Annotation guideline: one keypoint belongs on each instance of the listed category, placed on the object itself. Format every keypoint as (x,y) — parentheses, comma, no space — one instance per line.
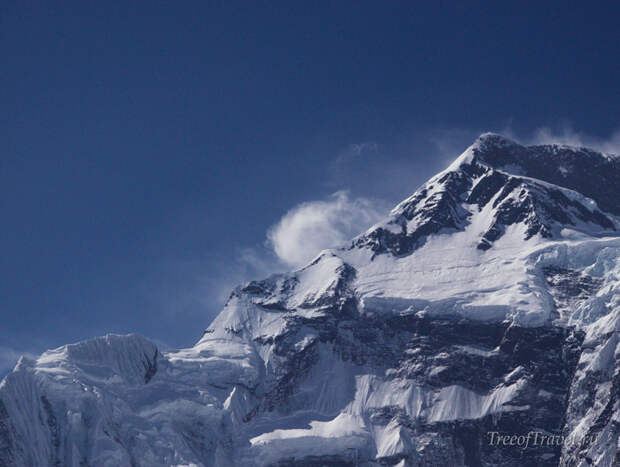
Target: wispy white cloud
(313,226)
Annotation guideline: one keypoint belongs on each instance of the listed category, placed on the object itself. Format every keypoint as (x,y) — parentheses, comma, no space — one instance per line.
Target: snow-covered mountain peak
(591,173)
(497,185)
(497,151)
(487,301)
(131,357)
(486,142)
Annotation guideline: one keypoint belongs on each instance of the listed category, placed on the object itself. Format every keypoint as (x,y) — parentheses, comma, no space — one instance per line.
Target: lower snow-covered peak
(129,358)
(315,286)
(262,308)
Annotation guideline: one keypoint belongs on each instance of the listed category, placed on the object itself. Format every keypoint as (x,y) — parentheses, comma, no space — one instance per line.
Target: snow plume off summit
(486,302)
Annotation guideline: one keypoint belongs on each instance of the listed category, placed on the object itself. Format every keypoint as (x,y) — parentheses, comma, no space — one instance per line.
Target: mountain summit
(485,307)
(497,184)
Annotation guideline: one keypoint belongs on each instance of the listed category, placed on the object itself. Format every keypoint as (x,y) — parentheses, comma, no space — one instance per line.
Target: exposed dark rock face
(150,366)
(435,354)
(431,213)
(568,286)
(52,423)
(7,443)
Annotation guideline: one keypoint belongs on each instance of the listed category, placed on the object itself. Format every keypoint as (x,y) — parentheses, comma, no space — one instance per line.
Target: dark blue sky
(146,148)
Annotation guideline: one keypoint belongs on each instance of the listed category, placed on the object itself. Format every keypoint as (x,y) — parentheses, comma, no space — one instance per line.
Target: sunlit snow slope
(485,302)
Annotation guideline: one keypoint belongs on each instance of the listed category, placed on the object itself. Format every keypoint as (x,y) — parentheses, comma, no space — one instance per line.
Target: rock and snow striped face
(497,184)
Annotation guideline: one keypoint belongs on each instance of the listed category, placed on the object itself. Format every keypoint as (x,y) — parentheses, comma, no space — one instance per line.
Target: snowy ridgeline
(487,302)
